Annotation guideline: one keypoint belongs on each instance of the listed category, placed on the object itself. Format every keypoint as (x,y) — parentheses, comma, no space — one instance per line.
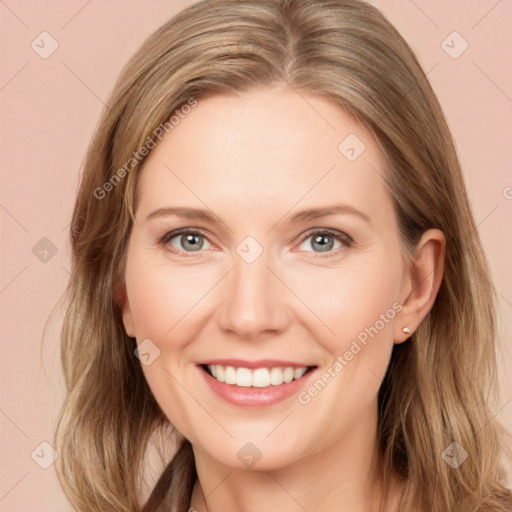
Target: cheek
(359,306)
(353,301)
(162,296)
(162,301)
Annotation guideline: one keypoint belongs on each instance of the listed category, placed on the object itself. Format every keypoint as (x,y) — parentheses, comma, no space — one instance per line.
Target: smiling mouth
(258,377)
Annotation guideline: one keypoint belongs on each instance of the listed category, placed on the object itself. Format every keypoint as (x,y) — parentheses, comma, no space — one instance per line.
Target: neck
(342,478)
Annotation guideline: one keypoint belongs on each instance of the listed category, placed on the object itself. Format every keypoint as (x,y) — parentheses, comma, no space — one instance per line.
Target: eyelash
(345,240)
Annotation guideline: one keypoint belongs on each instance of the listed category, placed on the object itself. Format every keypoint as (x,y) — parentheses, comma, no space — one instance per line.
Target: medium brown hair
(440,385)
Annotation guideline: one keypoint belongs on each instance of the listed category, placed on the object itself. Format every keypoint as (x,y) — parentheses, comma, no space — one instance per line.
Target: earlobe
(424,280)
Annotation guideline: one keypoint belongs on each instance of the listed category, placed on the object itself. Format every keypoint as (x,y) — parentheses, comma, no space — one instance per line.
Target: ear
(423,279)
(121,299)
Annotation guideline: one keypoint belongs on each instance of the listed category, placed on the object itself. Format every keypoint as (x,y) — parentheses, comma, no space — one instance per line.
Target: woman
(276,268)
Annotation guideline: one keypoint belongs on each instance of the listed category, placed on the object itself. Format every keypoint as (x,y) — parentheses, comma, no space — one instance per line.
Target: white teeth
(288,374)
(260,378)
(229,375)
(276,376)
(299,372)
(243,377)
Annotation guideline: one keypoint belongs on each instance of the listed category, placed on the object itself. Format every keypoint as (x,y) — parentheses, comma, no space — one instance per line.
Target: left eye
(324,241)
(188,241)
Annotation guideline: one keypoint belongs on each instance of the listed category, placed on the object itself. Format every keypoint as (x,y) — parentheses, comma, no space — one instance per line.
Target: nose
(253,302)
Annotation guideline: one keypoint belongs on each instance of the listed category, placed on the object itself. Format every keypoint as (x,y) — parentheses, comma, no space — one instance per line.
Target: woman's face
(265,245)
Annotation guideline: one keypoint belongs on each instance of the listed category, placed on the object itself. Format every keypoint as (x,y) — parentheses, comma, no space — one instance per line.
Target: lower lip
(252,396)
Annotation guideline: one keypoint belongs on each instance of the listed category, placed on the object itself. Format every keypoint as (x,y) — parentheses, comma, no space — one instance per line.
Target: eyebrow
(301,216)
(188,213)
(335,209)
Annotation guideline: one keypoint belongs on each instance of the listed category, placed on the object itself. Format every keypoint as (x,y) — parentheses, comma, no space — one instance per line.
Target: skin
(254,160)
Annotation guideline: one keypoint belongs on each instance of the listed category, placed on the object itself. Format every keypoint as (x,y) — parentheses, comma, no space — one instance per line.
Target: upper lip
(260,363)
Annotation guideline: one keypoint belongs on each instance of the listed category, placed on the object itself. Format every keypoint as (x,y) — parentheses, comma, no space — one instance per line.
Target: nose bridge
(253,301)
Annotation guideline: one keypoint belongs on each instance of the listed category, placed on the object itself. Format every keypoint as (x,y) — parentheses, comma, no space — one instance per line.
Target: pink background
(49,110)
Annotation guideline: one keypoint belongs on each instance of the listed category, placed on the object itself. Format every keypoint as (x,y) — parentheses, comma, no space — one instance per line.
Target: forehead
(265,149)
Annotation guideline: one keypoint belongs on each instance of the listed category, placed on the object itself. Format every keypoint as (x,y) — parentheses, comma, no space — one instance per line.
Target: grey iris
(324,243)
(192,242)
